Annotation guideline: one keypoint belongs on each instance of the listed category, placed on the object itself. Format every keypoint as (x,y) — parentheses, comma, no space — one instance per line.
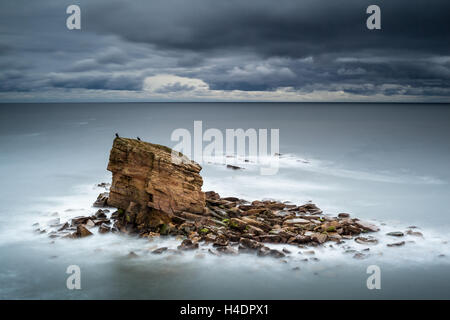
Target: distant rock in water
(149,187)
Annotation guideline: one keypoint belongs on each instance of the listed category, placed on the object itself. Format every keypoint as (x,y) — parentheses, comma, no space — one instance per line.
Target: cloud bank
(197,50)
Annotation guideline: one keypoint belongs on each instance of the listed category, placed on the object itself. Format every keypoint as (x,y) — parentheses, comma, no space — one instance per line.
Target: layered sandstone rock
(148,187)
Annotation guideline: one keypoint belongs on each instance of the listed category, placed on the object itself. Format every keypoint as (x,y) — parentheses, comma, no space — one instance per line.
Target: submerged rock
(187,244)
(215,253)
(227,250)
(396,244)
(366,240)
(230,166)
(263,251)
(360,255)
(276,254)
(414,233)
(159,250)
(395,234)
(132,255)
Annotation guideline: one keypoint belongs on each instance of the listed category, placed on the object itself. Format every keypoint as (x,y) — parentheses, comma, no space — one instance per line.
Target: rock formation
(148,187)
(157,192)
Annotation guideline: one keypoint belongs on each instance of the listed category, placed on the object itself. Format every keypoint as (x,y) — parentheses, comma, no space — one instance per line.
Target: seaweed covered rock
(149,187)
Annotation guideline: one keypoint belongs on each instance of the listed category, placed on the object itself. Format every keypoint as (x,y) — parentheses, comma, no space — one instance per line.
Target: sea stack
(148,187)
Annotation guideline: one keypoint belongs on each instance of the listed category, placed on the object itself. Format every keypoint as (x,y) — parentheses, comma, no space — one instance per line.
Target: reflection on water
(384,163)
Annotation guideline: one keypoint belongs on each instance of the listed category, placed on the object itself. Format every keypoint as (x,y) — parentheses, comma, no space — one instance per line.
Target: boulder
(100,214)
(104,228)
(250,244)
(187,244)
(79,220)
(102,200)
(221,241)
(82,232)
(302,239)
(319,237)
(151,183)
(212,195)
(89,224)
(330,226)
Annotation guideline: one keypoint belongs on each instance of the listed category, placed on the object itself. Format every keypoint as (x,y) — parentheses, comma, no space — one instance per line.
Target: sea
(384,163)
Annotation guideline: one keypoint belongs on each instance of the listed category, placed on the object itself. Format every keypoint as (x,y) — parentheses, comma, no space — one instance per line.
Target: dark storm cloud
(323,30)
(96,82)
(258,45)
(288,28)
(4,49)
(113,56)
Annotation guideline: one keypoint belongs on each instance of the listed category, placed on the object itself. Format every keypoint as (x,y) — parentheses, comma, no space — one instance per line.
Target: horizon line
(249,102)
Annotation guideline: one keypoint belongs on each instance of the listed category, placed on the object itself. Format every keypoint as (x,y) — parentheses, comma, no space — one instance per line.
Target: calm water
(386,163)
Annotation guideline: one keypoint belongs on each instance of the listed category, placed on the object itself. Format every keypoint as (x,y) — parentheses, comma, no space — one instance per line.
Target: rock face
(148,187)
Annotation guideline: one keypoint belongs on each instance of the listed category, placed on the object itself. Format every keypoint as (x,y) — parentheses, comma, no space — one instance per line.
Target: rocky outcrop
(156,195)
(149,188)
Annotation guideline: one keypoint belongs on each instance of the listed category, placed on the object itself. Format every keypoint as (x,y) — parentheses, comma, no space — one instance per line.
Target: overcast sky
(228,50)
